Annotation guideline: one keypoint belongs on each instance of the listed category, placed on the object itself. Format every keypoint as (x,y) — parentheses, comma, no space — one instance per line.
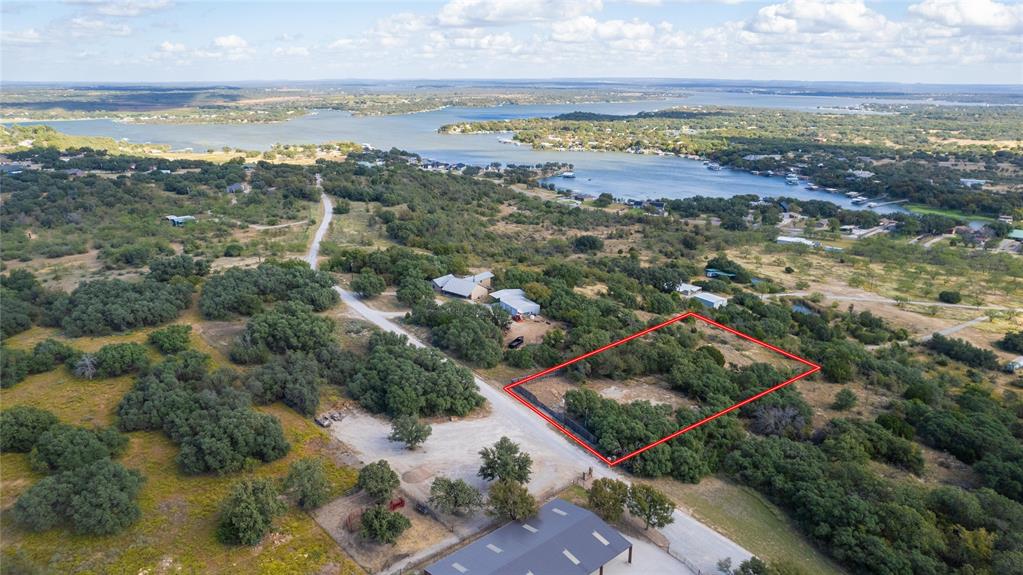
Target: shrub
(307,483)
(844,399)
(368,284)
(171,339)
(383,526)
(588,243)
(100,498)
(120,358)
(103,307)
(65,447)
(166,269)
(248,512)
(290,326)
(21,427)
(511,501)
(950,297)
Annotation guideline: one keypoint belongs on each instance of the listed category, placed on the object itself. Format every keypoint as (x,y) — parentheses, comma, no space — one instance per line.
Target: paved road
(697,546)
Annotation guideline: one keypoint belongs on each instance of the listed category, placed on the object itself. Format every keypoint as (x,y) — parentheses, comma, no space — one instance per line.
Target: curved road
(697,546)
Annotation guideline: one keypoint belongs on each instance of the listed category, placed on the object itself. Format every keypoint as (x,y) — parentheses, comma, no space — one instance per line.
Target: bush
(368,284)
(294,378)
(96,499)
(1013,341)
(383,526)
(244,291)
(378,480)
(171,339)
(21,427)
(183,266)
(307,483)
(248,512)
(588,243)
(413,291)
(233,250)
(14,365)
(103,307)
(290,326)
(844,399)
(120,358)
(65,447)
(963,351)
(950,297)
(48,354)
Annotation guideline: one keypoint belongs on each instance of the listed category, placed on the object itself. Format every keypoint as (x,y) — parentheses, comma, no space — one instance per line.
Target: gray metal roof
(459,286)
(563,539)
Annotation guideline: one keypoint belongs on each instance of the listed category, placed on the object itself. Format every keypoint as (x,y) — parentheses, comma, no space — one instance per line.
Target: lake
(629,176)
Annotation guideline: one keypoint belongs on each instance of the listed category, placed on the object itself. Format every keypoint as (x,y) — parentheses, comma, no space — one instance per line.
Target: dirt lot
(551,390)
(374,557)
(532,330)
(453,451)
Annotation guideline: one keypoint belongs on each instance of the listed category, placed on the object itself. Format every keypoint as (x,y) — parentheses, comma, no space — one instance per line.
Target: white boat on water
(568,174)
(792,180)
(714,166)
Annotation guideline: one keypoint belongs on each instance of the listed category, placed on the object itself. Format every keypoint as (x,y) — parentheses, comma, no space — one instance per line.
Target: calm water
(623,175)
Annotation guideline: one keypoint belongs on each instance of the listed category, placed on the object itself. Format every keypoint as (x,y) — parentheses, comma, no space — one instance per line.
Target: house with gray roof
(472,287)
(563,539)
(515,302)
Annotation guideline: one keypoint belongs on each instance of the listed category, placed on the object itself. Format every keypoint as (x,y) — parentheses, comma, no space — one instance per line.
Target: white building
(711,300)
(515,302)
(792,240)
(687,289)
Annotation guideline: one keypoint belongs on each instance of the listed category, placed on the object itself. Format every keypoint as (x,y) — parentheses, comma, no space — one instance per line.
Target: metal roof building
(515,302)
(563,539)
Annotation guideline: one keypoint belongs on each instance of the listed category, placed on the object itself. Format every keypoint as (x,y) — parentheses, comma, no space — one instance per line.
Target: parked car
(516,343)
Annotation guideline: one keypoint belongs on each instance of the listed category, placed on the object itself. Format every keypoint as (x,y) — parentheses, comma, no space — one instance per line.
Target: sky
(928,41)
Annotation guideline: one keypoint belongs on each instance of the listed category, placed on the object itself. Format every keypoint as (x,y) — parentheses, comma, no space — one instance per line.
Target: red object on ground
(510,388)
(396,504)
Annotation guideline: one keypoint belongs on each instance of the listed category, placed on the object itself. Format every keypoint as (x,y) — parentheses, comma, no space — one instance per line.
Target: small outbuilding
(1015,365)
(515,302)
(687,289)
(711,300)
(563,538)
(793,240)
(178,221)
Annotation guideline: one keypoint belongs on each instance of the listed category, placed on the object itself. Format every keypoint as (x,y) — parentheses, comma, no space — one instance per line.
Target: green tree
(383,526)
(455,496)
(21,427)
(307,483)
(247,514)
(607,498)
(171,339)
(511,501)
(120,358)
(844,399)
(378,480)
(368,284)
(505,461)
(412,291)
(950,296)
(649,504)
(588,243)
(410,431)
(66,447)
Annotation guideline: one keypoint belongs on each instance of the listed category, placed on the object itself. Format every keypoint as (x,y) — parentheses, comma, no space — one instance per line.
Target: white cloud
(460,13)
(231,42)
(985,15)
(26,37)
(85,26)
(291,51)
(816,16)
(341,44)
(168,47)
(123,8)
(587,29)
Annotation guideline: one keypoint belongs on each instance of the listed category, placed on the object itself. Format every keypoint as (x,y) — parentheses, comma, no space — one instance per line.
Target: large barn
(563,539)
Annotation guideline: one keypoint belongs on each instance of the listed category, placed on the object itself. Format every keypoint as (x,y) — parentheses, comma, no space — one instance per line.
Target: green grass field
(922,209)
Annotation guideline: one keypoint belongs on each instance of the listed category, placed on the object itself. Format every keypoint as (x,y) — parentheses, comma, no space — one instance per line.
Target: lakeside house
(515,302)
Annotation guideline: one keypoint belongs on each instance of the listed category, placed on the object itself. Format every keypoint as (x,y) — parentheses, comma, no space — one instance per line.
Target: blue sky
(941,41)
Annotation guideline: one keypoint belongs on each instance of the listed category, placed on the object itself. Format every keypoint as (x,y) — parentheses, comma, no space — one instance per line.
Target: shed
(178,221)
(687,289)
(238,187)
(711,300)
(1016,235)
(515,302)
(563,538)
(1014,365)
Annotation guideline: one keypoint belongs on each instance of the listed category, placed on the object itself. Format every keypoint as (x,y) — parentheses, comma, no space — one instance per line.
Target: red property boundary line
(611,463)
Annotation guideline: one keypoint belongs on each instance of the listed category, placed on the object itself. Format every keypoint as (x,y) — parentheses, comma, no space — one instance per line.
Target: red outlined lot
(510,388)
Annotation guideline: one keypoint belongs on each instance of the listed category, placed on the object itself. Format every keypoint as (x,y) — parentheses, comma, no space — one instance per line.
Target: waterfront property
(562,538)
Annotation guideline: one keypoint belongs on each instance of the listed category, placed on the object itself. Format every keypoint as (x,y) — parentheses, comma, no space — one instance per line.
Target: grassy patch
(922,209)
(750,520)
(179,512)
